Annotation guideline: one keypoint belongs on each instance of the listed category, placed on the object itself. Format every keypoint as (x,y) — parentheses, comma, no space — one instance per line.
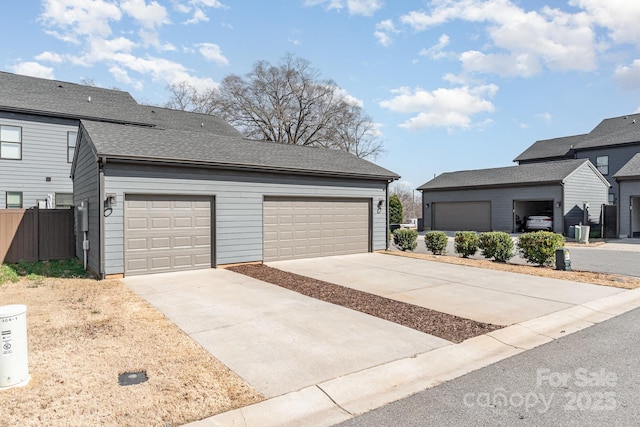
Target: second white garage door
(304,228)
(166,233)
(462,216)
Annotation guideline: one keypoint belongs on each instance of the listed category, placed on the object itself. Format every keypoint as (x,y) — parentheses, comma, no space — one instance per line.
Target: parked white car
(539,222)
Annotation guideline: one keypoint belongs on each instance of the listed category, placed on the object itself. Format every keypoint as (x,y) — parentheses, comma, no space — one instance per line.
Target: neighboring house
(39,120)
(609,146)
(501,198)
(628,179)
(159,190)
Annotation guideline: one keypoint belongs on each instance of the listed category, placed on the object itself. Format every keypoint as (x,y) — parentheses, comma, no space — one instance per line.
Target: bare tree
(287,103)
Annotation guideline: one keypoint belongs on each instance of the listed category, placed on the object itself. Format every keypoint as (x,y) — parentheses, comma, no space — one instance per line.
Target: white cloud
(436,51)
(383,32)
(546,117)
(150,16)
(620,17)
(449,108)
(628,76)
(49,57)
(347,97)
(355,7)
(212,52)
(521,40)
(363,7)
(198,16)
(81,17)
(33,69)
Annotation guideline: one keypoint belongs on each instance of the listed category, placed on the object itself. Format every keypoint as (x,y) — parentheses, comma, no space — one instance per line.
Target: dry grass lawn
(83,333)
(604,279)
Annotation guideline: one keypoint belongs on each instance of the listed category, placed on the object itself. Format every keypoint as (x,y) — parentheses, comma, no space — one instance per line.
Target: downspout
(386,207)
(102,161)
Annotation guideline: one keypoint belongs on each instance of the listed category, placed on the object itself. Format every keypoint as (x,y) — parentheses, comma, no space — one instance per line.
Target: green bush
(395,209)
(466,243)
(496,245)
(405,239)
(540,247)
(436,242)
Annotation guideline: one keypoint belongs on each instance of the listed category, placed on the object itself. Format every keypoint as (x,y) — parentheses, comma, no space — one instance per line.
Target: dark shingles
(182,120)
(613,131)
(631,169)
(534,173)
(139,143)
(62,99)
(556,148)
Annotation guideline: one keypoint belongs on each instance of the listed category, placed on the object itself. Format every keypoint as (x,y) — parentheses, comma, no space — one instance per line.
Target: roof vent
(88,99)
(202,124)
(634,121)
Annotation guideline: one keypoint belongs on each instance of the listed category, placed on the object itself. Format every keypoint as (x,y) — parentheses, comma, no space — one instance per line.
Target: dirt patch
(82,334)
(604,279)
(446,326)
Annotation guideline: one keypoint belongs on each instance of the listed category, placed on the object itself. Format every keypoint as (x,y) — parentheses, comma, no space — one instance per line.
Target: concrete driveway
(483,295)
(276,339)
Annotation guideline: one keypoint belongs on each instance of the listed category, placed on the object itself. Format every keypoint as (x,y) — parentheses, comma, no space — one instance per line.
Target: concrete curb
(342,398)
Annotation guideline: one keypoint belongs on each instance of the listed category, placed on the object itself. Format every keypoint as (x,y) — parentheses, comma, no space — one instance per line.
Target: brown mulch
(443,325)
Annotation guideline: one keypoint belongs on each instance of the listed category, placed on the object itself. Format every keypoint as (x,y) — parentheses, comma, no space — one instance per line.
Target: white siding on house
(44,155)
(238,208)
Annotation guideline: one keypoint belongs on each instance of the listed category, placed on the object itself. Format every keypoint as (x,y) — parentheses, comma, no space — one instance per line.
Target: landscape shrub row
(537,248)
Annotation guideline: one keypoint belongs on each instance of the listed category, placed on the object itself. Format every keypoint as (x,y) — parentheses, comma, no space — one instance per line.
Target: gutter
(102,161)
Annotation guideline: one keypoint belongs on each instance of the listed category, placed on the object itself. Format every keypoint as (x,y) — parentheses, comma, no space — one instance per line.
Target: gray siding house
(163,199)
(610,146)
(39,121)
(628,178)
(499,199)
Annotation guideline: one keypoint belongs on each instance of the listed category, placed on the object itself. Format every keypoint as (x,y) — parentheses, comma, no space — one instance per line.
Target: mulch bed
(443,325)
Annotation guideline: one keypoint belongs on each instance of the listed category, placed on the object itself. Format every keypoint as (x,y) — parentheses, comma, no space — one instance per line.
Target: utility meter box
(14,361)
(563,259)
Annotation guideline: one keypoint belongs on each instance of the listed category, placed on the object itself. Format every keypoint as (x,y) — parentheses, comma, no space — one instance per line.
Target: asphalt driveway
(276,339)
(483,295)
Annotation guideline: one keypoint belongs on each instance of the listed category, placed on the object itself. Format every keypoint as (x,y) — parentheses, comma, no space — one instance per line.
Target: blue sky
(452,85)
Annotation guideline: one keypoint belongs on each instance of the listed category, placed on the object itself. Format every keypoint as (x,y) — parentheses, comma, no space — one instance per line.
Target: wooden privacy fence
(36,234)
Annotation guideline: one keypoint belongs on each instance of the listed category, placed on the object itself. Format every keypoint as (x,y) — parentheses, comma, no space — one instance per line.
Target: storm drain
(130,378)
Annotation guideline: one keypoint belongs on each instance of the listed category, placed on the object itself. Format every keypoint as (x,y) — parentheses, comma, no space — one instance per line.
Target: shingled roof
(613,131)
(68,100)
(548,149)
(167,118)
(137,143)
(533,173)
(630,170)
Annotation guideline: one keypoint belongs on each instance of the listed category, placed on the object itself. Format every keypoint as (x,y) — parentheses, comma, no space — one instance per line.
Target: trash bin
(563,259)
(584,234)
(577,232)
(14,361)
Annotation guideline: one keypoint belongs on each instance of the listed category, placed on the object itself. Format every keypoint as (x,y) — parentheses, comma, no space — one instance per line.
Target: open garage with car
(553,194)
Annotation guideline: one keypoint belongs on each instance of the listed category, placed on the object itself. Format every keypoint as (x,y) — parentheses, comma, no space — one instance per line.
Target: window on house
(602,163)
(71,145)
(10,142)
(14,200)
(64,200)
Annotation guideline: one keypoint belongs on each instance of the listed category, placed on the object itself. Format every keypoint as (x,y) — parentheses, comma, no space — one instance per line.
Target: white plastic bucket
(14,360)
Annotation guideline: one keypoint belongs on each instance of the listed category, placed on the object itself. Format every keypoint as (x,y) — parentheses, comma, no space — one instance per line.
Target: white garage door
(166,233)
(462,216)
(304,228)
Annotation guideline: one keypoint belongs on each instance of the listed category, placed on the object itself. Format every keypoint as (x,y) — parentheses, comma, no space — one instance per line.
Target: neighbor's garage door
(302,228)
(462,216)
(166,233)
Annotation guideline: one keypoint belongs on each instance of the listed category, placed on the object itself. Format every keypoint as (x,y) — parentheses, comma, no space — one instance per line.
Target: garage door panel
(299,228)
(167,233)
(462,216)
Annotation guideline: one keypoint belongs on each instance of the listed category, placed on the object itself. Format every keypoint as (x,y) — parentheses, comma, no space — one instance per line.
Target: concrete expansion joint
(334,401)
(507,344)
